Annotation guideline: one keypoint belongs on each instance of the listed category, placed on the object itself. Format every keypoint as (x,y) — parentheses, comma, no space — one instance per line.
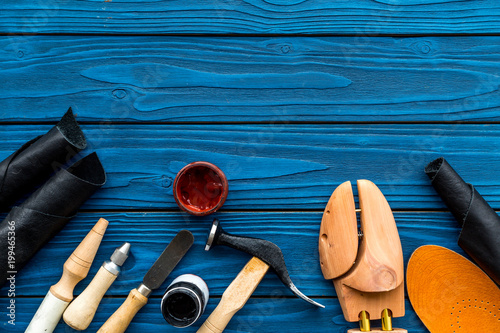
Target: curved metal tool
(266,251)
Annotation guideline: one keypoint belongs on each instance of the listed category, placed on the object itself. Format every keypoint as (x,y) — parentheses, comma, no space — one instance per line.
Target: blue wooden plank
(283,167)
(252,17)
(258,315)
(273,80)
(295,233)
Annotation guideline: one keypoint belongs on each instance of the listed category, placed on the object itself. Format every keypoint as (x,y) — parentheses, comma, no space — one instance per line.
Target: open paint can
(184,300)
(200,188)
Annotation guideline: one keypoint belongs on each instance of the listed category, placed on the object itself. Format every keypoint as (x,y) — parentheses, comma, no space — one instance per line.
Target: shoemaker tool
(153,279)
(75,269)
(81,311)
(369,279)
(451,294)
(265,255)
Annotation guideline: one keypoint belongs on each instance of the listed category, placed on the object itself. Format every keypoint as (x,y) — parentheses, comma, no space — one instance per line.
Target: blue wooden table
(289,98)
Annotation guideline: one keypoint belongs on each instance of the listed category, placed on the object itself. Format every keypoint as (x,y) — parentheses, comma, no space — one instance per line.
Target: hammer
(265,255)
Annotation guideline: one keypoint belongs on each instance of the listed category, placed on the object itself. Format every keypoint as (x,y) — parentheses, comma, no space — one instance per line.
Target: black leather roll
(480,236)
(46,212)
(33,163)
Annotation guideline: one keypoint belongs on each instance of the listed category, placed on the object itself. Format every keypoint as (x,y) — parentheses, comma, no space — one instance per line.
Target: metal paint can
(184,300)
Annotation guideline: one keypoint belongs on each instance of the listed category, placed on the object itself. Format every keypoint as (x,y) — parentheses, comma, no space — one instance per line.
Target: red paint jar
(200,188)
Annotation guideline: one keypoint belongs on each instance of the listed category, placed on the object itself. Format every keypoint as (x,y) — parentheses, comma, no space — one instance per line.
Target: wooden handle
(47,316)
(78,264)
(81,311)
(235,296)
(218,320)
(122,317)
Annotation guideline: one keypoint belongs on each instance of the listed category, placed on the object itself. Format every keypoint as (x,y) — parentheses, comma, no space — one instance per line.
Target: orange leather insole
(451,294)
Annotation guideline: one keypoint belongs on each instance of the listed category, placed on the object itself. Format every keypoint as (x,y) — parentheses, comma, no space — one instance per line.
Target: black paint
(182,304)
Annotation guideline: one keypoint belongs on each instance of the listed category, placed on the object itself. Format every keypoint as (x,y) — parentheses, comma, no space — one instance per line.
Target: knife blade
(157,274)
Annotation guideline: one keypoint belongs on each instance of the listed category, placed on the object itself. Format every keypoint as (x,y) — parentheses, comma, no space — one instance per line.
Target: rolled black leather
(480,236)
(33,163)
(46,212)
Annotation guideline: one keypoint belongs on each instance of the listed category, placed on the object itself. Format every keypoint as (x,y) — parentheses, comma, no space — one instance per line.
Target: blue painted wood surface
(274,314)
(243,79)
(288,111)
(360,17)
(283,167)
(296,233)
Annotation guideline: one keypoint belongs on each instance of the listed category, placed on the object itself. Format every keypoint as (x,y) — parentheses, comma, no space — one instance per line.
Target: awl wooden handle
(78,264)
(75,269)
(235,296)
(81,311)
(122,317)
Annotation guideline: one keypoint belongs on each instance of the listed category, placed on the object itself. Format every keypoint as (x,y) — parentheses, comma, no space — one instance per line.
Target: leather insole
(451,294)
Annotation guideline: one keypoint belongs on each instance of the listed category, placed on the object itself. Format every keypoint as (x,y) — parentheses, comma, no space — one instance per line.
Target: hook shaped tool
(265,250)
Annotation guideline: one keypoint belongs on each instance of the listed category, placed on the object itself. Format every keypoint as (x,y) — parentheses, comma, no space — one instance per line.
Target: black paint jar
(184,300)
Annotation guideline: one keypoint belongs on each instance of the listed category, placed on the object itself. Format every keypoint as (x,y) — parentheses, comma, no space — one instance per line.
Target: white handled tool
(75,269)
(81,311)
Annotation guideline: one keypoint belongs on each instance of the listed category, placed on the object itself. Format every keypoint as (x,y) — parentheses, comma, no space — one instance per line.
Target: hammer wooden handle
(122,317)
(218,320)
(81,311)
(235,296)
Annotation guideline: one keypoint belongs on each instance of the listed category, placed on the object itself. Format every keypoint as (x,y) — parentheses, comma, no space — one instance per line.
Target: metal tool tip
(304,297)
(121,254)
(212,234)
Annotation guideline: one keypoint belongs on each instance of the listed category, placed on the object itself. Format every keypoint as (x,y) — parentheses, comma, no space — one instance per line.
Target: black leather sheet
(47,211)
(480,236)
(33,163)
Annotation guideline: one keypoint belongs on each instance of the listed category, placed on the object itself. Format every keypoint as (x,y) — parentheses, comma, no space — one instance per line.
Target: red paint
(200,188)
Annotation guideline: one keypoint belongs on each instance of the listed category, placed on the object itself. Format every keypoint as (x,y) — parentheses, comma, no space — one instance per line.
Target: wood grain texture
(283,167)
(376,282)
(274,80)
(121,318)
(252,16)
(79,262)
(258,315)
(338,234)
(380,249)
(295,233)
(81,311)
(235,296)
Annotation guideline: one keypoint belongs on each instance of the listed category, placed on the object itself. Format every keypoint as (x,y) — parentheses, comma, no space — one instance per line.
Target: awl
(81,311)
(76,269)
(153,279)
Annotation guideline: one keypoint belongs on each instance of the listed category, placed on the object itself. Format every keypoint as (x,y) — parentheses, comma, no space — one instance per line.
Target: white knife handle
(81,311)
(48,315)
(122,317)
